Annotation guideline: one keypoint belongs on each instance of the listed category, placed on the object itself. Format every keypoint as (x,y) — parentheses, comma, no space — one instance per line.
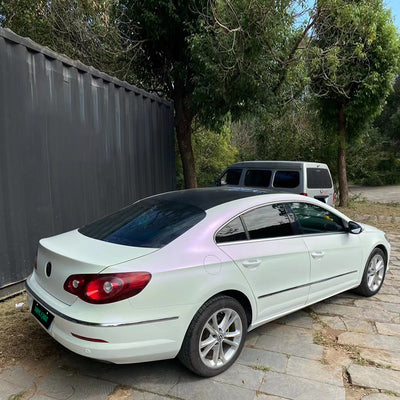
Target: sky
(395,6)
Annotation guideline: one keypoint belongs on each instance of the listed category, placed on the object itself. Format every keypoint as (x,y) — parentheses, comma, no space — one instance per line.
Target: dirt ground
(21,337)
(22,340)
(361,208)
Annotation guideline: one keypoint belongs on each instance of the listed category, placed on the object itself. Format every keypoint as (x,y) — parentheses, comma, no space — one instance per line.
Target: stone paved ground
(345,348)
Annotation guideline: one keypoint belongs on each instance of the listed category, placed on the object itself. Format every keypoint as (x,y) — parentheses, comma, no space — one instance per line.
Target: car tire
(374,274)
(215,337)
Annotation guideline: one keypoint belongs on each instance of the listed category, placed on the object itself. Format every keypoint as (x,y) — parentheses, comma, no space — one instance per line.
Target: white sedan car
(189,273)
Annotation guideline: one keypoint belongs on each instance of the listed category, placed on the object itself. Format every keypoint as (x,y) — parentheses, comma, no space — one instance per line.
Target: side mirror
(354,228)
(217,182)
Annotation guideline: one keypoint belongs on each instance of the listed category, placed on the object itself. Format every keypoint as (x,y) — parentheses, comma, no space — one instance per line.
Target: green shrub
(213,152)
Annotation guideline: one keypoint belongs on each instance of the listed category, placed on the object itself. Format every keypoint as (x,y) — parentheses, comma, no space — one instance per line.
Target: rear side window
(318,178)
(287,179)
(257,178)
(147,223)
(231,232)
(268,222)
(231,177)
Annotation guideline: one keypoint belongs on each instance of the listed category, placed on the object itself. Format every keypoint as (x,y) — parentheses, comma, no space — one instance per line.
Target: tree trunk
(342,174)
(183,126)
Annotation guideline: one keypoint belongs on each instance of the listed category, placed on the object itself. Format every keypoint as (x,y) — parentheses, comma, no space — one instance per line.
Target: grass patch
(18,396)
(390,393)
(261,368)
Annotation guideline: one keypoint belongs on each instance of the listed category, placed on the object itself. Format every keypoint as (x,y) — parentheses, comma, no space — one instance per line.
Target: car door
(275,263)
(335,254)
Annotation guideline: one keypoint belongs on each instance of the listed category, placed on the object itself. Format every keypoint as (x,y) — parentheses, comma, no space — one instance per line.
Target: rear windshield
(318,178)
(286,179)
(257,178)
(147,223)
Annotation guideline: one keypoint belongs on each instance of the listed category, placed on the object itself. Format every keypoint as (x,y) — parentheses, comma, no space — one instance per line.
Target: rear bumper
(153,338)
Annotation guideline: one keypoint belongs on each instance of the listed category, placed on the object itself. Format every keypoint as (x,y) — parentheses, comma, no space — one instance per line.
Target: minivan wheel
(374,274)
(215,337)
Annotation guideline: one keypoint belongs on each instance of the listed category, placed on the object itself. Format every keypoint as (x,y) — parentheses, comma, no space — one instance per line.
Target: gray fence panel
(75,144)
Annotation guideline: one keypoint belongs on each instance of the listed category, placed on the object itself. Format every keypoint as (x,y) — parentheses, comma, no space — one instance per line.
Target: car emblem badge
(48,269)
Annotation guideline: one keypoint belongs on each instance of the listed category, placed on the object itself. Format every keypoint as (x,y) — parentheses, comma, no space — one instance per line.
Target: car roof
(277,164)
(206,198)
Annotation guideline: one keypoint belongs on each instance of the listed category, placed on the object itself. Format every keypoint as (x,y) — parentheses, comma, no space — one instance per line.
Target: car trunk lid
(73,253)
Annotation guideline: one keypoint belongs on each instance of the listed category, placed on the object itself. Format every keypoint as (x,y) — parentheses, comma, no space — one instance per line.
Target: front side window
(148,223)
(257,178)
(315,219)
(287,179)
(268,222)
(231,177)
(231,232)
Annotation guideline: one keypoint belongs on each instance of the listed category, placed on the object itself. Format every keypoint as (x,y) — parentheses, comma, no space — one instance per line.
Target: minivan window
(231,177)
(231,232)
(147,223)
(287,179)
(318,178)
(268,222)
(257,178)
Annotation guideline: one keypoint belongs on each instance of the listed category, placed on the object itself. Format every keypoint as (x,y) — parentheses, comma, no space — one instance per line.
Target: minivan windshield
(148,223)
(231,177)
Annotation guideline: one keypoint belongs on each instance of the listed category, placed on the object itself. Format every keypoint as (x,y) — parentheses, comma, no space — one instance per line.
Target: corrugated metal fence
(75,144)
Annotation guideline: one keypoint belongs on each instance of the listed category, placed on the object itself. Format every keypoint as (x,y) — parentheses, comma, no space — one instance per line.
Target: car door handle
(317,254)
(251,263)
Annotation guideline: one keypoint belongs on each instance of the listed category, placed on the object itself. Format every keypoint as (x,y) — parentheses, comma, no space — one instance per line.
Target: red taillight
(106,288)
(303,194)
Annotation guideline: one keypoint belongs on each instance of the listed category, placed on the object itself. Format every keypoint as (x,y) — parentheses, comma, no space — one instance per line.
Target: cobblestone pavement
(347,347)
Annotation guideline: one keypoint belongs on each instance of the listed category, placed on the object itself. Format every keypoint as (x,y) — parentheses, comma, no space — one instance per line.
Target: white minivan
(306,178)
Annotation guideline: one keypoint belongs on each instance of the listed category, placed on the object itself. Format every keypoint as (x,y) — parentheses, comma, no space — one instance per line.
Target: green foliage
(354,58)
(241,57)
(388,123)
(223,56)
(371,162)
(211,57)
(80,29)
(158,33)
(292,132)
(213,152)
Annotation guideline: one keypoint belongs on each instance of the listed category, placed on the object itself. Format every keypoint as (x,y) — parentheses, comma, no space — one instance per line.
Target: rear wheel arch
(242,299)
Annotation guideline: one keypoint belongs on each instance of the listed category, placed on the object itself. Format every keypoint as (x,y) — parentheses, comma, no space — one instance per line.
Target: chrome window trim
(278,237)
(300,235)
(307,284)
(239,215)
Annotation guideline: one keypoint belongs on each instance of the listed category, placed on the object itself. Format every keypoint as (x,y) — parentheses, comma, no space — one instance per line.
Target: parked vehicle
(188,273)
(306,178)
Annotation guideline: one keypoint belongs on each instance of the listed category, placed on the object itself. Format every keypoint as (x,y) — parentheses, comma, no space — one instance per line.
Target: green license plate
(41,314)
